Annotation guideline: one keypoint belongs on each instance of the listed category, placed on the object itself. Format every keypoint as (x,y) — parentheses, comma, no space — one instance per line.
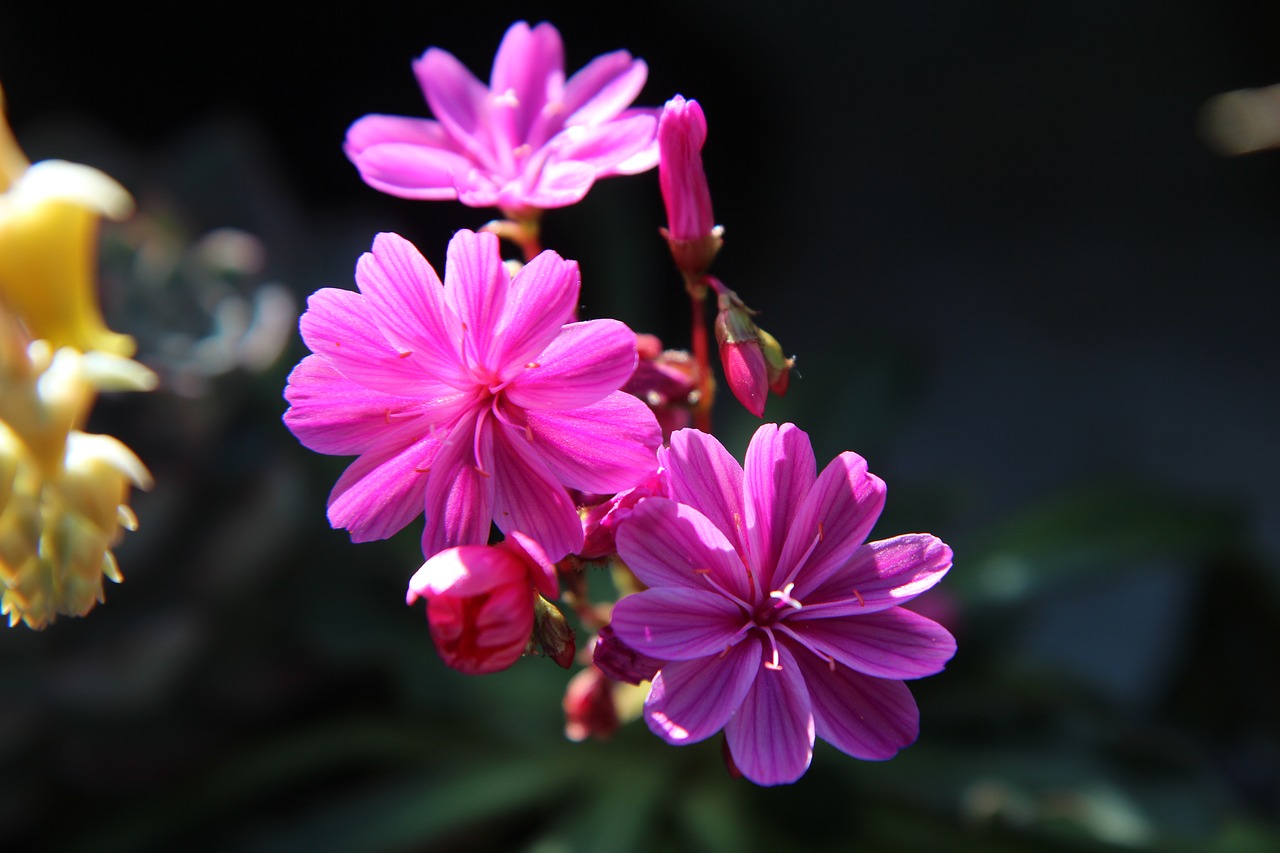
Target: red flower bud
(480,601)
(589,710)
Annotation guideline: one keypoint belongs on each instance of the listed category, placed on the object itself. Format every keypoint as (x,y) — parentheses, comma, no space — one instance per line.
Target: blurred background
(1016,279)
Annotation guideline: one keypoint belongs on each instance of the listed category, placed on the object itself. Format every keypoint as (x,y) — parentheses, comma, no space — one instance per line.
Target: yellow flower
(63,493)
(49,214)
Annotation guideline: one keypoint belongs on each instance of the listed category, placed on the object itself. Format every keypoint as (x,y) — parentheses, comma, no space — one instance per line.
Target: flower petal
(583,364)
(459,101)
(530,64)
(881,575)
(527,497)
(604,146)
(406,157)
(665,543)
(542,297)
(867,718)
(475,286)
(337,326)
(604,448)
(603,88)
(679,624)
(780,470)
(894,643)
(459,494)
(382,491)
(557,184)
(331,414)
(409,308)
(702,474)
(692,700)
(831,524)
(771,735)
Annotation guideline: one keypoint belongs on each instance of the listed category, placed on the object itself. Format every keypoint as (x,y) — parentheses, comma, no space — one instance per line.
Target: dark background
(1015,279)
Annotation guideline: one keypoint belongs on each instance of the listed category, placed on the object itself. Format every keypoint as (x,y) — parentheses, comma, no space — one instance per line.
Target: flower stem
(697,291)
(520,227)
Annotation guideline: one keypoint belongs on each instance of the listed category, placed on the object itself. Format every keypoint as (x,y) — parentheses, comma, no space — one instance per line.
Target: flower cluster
(540,447)
(63,492)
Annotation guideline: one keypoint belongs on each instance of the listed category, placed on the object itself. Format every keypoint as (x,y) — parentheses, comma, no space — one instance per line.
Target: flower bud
(691,231)
(589,709)
(480,601)
(777,366)
(665,381)
(552,633)
(740,354)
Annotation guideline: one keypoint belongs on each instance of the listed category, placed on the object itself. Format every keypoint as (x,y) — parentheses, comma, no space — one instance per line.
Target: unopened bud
(691,230)
(552,632)
(621,662)
(589,709)
(777,366)
(744,365)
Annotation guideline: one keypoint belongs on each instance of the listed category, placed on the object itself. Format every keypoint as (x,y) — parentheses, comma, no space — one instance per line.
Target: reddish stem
(701,356)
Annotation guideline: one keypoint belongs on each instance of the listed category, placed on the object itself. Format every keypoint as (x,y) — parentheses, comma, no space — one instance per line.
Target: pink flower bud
(480,601)
(740,354)
(691,225)
(589,710)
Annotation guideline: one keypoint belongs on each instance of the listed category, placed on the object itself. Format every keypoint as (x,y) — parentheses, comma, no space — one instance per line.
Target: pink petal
(409,308)
(679,624)
(692,700)
(378,129)
(833,521)
(867,718)
(881,575)
(557,184)
(527,497)
(780,470)
(771,735)
(643,160)
(331,414)
(475,287)
(338,326)
(583,364)
(530,64)
(702,474)
(665,543)
(604,448)
(459,101)
(466,570)
(604,146)
(382,491)
(894,643)
(604,87)
(542,297)
(406,157)
(459,497)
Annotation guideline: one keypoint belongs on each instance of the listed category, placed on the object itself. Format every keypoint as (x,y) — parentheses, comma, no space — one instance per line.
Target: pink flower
(480,601)
(775,621)
(527,140)
(475,400)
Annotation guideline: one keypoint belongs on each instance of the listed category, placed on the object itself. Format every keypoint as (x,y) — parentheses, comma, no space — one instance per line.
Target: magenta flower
(527,140)
(776,622)
(475,400)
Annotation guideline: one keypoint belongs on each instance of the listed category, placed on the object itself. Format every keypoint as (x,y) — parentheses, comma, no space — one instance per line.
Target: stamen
(861,601)
(773,641)
(386,416)
(702,571)
(737,522)
(405,354)
(422,470)
(784,597)
(531,365)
